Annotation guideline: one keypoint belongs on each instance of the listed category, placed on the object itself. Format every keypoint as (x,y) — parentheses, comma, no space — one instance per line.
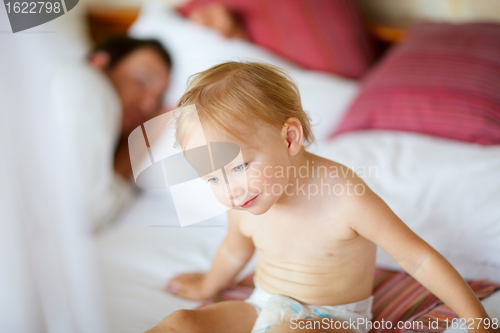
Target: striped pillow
(397,297)
(443,81)
(324,35)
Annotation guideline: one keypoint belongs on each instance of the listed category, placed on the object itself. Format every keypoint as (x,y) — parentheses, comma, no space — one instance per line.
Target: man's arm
(375,221)
(122,164)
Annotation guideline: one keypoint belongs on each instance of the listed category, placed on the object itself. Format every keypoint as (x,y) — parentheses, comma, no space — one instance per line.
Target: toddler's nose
(237,193)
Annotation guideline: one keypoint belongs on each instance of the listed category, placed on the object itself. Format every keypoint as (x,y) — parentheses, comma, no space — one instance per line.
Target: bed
(423,178)
(147,246)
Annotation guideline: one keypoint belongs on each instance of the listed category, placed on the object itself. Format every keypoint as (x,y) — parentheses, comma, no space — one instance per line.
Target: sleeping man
(139,72)
(99,102)
(315,252)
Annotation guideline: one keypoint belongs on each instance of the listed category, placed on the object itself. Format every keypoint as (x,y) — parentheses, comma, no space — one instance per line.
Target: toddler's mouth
(249,202)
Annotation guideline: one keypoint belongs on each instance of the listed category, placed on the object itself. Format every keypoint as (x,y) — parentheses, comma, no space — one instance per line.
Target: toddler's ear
(292,133)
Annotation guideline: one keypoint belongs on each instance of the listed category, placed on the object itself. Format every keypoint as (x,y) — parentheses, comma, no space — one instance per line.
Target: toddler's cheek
(222,195)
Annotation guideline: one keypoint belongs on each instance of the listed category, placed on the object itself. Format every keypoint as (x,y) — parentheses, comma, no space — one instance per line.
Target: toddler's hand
(188,285)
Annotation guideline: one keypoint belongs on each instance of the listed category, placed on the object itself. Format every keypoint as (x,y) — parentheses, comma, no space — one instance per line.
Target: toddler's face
(252,181)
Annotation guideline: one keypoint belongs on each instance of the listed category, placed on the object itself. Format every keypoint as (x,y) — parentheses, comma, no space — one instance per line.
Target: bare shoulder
(343,192)
(340,177)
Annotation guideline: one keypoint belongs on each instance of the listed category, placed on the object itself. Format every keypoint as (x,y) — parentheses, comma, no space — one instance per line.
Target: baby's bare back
(311,254)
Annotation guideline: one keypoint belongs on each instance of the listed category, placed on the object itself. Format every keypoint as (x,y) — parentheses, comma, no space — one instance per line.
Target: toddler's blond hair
(229,95)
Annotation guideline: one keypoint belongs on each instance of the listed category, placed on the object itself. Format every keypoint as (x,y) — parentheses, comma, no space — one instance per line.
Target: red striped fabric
(443,81)
(397,297)
(324,35)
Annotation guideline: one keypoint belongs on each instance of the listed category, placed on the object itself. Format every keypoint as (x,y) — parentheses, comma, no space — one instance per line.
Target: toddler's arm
(375,221)
(233,254)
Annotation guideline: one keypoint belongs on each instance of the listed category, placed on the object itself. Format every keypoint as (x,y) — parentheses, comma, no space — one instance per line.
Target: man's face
(140,79)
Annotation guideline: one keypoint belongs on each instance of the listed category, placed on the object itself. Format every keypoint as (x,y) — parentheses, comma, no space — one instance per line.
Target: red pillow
(443,81)
(324,35)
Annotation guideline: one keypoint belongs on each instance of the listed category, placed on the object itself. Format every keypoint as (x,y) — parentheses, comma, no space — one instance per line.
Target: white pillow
(195,48)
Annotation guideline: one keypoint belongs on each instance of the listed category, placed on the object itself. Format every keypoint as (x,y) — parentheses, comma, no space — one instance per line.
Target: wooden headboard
(106,22)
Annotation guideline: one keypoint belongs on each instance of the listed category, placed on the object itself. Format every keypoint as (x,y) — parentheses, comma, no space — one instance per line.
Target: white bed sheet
(424,180)
(145,249)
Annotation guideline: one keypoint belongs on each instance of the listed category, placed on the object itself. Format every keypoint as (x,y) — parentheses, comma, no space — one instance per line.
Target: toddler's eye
(240,167)
(213,180)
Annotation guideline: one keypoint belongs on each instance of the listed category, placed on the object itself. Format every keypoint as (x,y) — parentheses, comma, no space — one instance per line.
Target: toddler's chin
(259,208)
(256,210)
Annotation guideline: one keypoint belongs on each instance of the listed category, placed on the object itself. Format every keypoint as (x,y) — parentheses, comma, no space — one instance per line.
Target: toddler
(315,253)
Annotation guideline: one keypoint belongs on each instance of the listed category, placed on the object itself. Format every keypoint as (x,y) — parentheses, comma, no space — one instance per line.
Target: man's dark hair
(120,47)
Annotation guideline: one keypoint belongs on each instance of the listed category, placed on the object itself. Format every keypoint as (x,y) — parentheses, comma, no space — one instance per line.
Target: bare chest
(309,239)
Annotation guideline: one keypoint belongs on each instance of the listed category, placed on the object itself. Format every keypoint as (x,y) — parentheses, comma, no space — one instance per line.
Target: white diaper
(274,310)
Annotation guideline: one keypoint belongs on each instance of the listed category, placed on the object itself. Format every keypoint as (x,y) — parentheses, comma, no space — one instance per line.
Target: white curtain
(48,275)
